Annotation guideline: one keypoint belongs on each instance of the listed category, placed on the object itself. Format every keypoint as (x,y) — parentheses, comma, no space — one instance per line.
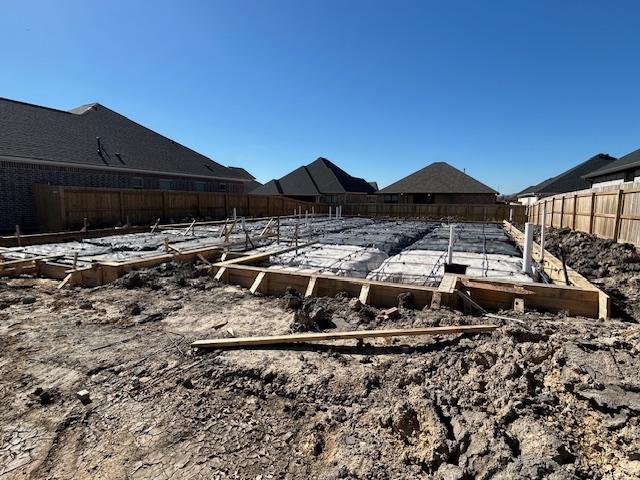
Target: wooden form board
(490,294)
(351,335)
(552,266)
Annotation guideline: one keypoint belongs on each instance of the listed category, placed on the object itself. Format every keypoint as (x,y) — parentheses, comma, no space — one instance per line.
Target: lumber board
(486,293)
(350,335)
(259,257)
(516,289)
(364,293)
(311,286)
(448,283)
(257,282)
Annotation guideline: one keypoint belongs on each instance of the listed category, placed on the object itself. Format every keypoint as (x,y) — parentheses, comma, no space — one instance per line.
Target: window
(223,187)
(165,184)
(137,182)
(199,186)
(390,198)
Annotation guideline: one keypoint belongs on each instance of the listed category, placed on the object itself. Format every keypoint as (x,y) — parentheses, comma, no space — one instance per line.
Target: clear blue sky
(513,91)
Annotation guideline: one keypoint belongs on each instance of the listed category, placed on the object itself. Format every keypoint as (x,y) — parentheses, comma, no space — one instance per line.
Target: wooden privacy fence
(612,214)
(478,213)
(61,208)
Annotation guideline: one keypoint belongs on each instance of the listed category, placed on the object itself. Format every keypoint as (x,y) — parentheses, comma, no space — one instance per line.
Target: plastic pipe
(542,229)
(528,248)
(450,248)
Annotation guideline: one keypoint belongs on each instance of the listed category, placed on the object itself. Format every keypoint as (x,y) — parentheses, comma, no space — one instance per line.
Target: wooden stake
(353,335)
(184,234)
(18,234)
(153,229)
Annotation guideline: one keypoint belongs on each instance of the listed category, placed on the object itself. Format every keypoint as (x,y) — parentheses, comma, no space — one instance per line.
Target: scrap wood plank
(352,335)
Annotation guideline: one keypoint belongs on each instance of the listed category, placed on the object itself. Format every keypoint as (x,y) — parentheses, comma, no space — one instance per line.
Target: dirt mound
(614,267)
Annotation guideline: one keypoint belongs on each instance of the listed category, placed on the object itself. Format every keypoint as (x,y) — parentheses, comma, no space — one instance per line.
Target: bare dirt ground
(543,397)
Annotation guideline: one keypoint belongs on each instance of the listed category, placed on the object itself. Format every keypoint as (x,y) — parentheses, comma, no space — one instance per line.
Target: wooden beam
(257,282)
(220,273)
(259,257)
(364,293)
(311,287)
(66,280)
(518,305)
(352,335)
(448,283)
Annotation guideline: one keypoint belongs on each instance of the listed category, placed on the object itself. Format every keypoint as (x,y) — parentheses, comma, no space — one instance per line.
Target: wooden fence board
(612,213)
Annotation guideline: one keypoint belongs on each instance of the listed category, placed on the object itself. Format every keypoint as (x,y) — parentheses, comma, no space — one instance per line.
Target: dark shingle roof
(242,173)
(571,180)
(629,161)
(42,133)
(374,185)
(439,177)
(320,177)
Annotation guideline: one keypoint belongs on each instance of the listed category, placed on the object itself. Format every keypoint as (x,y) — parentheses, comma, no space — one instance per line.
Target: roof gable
(321,177)
(628,161)
(439,177)
(34,132)
(572,179)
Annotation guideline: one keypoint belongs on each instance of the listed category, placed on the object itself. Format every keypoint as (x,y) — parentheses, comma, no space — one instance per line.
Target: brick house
(93,146)
(438,183)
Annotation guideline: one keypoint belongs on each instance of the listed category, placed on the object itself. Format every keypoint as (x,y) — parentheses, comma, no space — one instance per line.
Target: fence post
(63,209)
(562,212)
(226,206)
(164,205)
(553,209)
(575,210)
(592,213)
(616,228)
(121,197)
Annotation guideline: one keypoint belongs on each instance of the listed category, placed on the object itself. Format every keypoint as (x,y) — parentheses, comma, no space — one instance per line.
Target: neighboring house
(250,182)
(569,181)
(438,183)
(322,182)
(92,146)
(625,169)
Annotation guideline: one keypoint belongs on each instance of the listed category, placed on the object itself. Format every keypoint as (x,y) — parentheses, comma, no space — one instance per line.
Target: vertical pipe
(234,214)
(528,248)
(450,248)
(313,212)
(542,229)
(329,212)
(511,215)
(306,218)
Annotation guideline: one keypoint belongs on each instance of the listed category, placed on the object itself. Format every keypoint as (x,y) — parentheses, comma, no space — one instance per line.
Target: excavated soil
(541,397)
(613,267)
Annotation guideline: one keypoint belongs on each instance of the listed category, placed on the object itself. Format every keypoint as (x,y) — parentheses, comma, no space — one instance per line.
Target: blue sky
(512,91)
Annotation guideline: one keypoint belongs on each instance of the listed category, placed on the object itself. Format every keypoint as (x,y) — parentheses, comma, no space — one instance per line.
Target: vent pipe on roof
(100,152)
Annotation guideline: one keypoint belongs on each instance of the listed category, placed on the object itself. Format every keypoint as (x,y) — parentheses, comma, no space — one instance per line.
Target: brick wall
(17,180)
